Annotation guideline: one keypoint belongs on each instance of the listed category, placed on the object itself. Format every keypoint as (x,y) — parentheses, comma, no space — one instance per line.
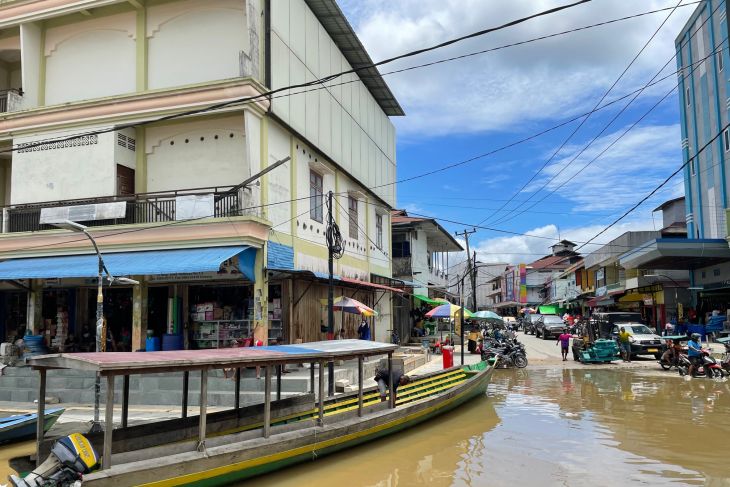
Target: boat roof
(124,363)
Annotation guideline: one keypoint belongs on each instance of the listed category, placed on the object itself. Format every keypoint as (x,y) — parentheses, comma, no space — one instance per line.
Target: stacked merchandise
(214,325)
(59,334)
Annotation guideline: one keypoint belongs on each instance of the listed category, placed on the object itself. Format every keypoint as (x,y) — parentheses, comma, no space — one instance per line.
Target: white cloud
(507,89)
(525,249)
(627,171)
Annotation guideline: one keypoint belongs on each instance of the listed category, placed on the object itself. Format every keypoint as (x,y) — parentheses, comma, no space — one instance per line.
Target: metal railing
(140,208)
(4,95)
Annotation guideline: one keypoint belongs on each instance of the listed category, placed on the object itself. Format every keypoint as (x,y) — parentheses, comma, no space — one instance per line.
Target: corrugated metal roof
(334,22)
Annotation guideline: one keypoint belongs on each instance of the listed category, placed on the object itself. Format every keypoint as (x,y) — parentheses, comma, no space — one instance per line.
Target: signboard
(601,291)
(523,283)
(189,207)
(84,213)
(228,271)
(648,299)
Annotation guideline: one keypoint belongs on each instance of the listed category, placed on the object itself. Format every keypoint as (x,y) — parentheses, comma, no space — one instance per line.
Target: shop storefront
(13,314)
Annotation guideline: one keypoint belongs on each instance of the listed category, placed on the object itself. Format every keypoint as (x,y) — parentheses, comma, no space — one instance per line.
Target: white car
(643,340)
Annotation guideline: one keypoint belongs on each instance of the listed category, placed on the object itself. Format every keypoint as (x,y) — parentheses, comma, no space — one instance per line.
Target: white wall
(195,41)
(378,256)
(90,59)
(30,52)
(82,168)
(279,179)
(344,122)
(307,228)
(214,154)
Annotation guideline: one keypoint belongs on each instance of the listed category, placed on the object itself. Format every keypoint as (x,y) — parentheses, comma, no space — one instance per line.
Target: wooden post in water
(391,386)
(320,399)
(203,408)
(125,400)
(186,384)
(41,412)
(359,384)
(106,459)
(267,401)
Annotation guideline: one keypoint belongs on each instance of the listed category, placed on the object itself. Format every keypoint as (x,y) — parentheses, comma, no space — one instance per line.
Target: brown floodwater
(580,427)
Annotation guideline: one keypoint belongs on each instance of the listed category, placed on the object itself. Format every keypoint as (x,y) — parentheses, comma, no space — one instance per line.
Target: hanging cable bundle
(333,235)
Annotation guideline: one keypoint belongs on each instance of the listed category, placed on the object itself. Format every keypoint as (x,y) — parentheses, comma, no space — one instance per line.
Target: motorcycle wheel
(520,361)
(665,365)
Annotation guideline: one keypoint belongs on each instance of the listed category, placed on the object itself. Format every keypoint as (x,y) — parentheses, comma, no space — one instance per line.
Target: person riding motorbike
(694,353)
(671,354)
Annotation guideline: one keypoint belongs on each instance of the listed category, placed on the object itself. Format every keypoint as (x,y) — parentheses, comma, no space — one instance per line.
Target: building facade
(151,123)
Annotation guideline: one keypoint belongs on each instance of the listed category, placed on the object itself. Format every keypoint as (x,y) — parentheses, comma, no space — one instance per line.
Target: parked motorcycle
(725,361)
(511,353)
(708,368)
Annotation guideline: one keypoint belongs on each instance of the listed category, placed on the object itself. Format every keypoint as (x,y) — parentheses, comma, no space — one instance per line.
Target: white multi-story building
(107,123)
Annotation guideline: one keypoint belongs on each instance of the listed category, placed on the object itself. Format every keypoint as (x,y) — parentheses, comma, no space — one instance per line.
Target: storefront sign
(523,283)
(228,271)
(648,299)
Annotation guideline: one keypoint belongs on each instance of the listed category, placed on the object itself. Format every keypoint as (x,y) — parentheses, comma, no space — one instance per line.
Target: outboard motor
(70,458)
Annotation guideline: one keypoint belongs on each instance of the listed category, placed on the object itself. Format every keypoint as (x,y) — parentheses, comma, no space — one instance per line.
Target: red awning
(370,285)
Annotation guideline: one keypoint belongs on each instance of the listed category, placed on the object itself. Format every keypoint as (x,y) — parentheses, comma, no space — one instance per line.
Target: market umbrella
(448,310)
(528,310)
(486,315)
(349,305)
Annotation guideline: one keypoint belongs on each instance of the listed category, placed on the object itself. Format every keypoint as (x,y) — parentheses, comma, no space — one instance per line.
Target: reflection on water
(11,451)
(550,427)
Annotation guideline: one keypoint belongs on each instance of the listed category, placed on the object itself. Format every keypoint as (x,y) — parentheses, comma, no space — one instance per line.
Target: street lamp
(676,299)
(100,331)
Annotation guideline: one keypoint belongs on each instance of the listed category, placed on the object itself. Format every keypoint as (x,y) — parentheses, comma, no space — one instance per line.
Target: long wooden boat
(24,426)
(229,446)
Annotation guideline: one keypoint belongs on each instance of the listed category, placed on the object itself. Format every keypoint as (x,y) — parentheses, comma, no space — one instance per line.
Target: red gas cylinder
(447,353)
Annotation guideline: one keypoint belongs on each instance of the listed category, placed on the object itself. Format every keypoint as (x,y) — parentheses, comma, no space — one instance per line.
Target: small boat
(23,426)
(227,446)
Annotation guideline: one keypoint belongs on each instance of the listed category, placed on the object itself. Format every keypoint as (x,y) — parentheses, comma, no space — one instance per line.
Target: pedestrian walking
(564,341)
(624,342)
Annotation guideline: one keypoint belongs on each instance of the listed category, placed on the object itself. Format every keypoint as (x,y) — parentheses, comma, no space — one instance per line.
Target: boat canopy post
(267,401)
(391,386)
(106,459)
(203,408)
(41,415)
(311,378)
(320,399)
(238,388)
(186,384)
(278,382)
(125,400)
(359,384)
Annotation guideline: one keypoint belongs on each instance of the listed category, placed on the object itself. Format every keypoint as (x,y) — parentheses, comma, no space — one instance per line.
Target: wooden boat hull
(23,426)
(230,463)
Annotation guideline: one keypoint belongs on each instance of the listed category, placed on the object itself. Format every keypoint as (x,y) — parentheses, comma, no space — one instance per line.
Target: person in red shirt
(564,340)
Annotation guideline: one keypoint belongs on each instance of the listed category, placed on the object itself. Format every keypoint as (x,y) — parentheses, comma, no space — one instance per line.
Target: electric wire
(507,217)
(584,120)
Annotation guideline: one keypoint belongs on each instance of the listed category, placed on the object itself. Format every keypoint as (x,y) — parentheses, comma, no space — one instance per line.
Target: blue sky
(460,109)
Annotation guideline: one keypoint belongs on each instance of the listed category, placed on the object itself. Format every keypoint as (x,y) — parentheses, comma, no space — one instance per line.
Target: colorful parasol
(349,305)
(486,315)
(448,311)
(528,310)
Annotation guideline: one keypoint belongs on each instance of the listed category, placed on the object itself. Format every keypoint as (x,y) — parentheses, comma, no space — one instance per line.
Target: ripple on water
(564,427)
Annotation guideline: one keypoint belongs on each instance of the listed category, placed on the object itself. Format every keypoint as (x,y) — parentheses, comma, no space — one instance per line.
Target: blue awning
(145,263)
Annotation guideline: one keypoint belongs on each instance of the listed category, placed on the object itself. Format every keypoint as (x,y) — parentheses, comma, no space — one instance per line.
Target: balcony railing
(8,99)
(140,208)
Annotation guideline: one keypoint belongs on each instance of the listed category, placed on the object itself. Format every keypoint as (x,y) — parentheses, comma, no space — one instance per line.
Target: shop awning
(426,299)
(144,263)
(370,285)
(676,253)
(339,280)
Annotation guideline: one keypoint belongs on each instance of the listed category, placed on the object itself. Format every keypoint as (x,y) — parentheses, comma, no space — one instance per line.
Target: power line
(506,217)
(582,122)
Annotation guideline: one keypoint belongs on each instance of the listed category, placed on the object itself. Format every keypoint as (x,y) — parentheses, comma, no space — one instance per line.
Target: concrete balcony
(180,205)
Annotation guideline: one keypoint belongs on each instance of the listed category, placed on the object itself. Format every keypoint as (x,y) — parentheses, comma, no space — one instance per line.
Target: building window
(719,61)
(352,214)
(686,95)
(716,272)
(379,231)
(316,201)
(726,139)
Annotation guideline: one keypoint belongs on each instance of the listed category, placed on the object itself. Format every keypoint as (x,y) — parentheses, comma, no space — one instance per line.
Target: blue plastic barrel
(172,342)
(34,345)
(152,344)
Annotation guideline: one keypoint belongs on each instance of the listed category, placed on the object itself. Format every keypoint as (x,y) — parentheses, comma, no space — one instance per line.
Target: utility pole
(330,297)
(474,281)
(466,234)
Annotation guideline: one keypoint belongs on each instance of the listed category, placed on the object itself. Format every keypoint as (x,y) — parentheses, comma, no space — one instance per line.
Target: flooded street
(550,427)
